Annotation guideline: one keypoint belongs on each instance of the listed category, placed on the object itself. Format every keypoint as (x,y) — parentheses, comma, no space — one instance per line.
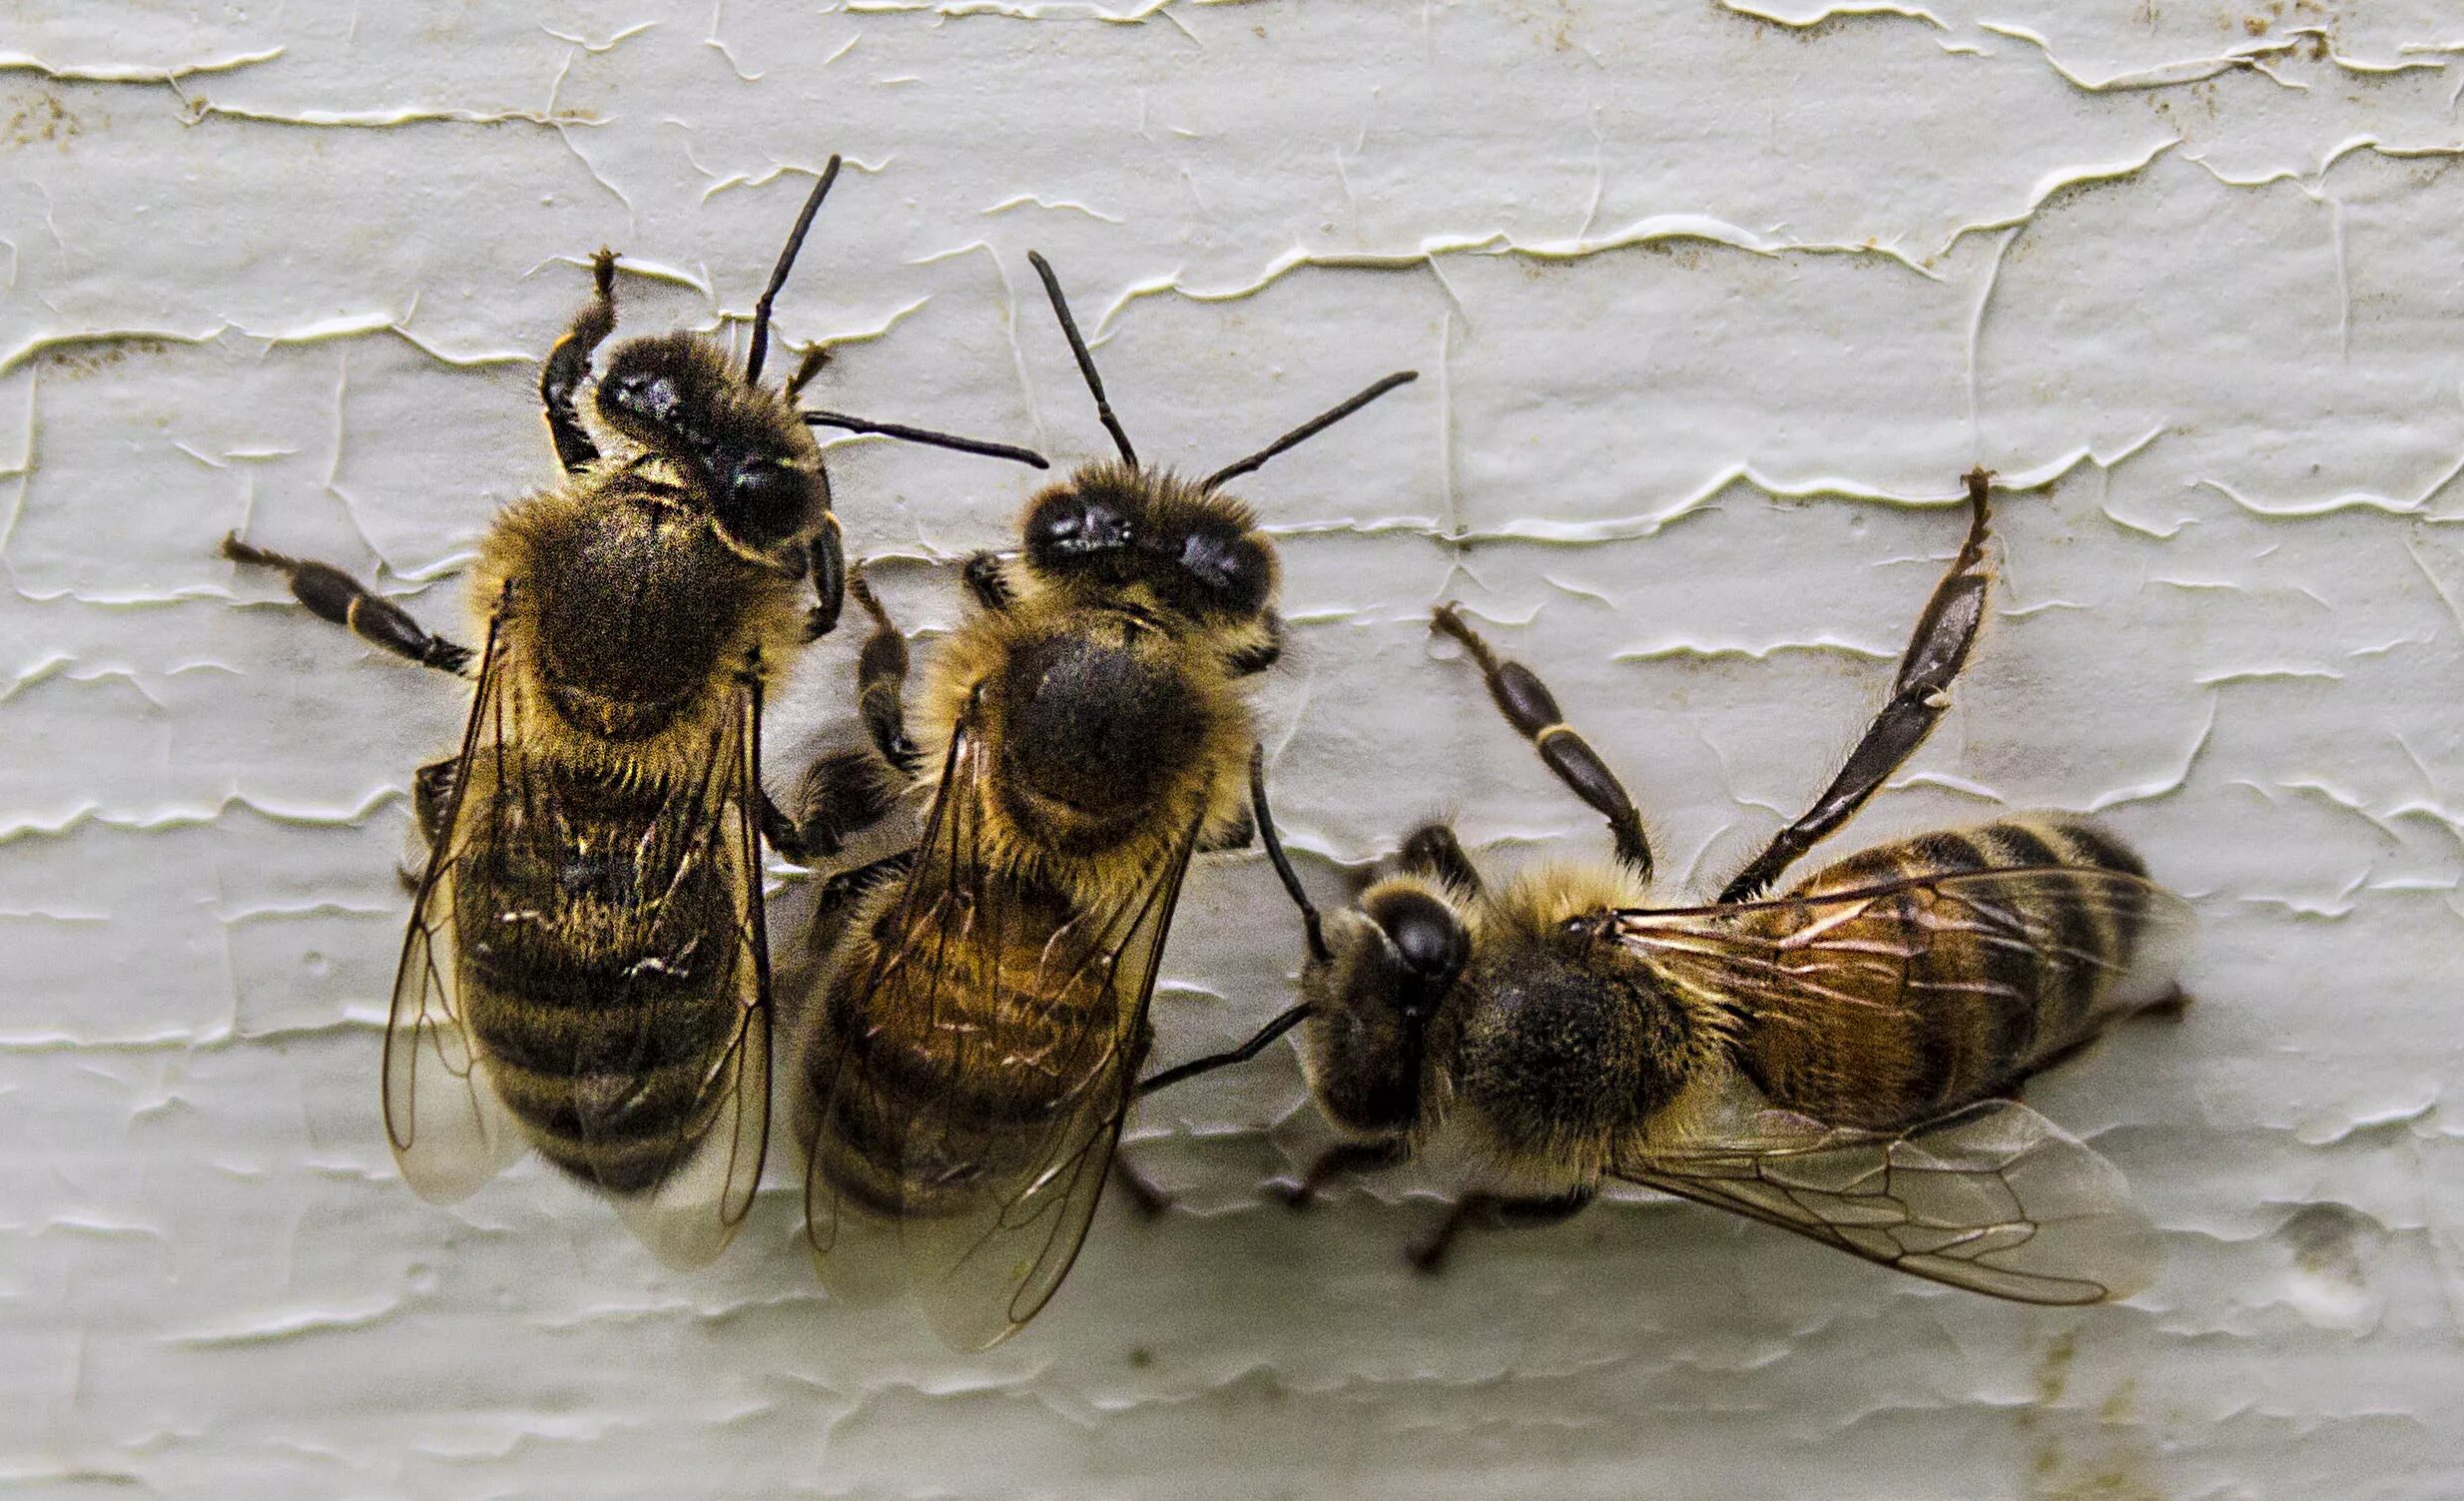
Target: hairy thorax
(1109,736)
(630,620)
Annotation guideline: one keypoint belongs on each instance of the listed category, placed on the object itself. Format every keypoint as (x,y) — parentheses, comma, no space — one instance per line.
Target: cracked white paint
(1713,304)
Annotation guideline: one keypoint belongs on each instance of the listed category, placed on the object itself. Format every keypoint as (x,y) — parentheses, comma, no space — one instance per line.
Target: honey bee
(1831,1061)
(586,969)
(970,1051)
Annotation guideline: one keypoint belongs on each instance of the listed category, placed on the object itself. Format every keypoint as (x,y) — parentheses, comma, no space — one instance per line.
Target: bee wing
(981,1267)
(1828,960)
(712,1163)
(857,1245)
(1994,1199)
(448,1129)
(983,1273)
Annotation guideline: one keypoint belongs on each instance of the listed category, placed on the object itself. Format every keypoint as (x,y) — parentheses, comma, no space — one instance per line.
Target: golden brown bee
(586,969)
(1831,1061)
(971,1050)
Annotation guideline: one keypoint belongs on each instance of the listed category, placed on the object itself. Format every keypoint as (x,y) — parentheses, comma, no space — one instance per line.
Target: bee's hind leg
(431,796)
(1496,1211)
(1936,654)
(1530,707)
(336,596)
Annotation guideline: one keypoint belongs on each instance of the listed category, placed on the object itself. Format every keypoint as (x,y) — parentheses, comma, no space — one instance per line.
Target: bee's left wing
(983,1271)
(705,1172)
(1994,1199)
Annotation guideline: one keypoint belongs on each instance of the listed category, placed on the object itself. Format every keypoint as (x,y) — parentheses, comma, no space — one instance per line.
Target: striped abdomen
(599,949)
(936,1087)
(1981,955)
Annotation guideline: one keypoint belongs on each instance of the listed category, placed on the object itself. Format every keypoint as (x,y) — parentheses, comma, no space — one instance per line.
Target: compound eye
(763,504)
(1234,570)
(1429,941)
(1068,525)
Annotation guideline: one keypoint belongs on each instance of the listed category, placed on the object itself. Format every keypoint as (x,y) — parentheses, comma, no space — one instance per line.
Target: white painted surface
(1714,310)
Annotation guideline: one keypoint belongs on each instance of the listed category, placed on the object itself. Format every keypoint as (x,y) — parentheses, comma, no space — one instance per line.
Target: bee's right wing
(448,1129)
(981,1248)
(1994,1199)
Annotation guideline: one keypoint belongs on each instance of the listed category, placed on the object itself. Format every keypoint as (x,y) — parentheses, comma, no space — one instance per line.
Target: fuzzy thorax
(625,620)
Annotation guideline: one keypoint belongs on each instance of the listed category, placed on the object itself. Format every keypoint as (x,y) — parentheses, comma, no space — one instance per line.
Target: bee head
(746,451)
(1116,530)
(1392,961)
(1377,990)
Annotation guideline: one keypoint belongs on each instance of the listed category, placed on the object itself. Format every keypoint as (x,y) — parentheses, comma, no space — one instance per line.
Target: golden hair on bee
(586,969)
(1780,1057)
(971,1049)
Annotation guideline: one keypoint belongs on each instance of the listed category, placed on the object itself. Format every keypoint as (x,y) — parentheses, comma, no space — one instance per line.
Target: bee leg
(837,903)
(1256,1045)
(844,794)
(569,363)
(431,796)
(1343,1157)
(1528,706)
(881,683)
(336,596)
(1432,850)
(1259,655)
(1936,654)
(986,581)
(1495,1211)
(828,574)
(2169,1008)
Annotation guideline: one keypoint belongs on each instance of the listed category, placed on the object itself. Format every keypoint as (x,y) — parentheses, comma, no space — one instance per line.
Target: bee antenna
(1308,429)
(1087,362)
(759,350)
(926,435)
(1282,861)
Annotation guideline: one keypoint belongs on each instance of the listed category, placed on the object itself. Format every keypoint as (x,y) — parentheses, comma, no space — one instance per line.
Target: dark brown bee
(970,1051)
(586,969)
(1830,1060)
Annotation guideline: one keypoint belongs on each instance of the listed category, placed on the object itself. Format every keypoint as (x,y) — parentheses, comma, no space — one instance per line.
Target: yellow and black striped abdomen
(951,1038)
(599,944)
(1918,976)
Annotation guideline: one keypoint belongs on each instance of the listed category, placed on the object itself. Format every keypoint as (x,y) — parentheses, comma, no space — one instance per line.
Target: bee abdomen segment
(1954,991)
(941,1088)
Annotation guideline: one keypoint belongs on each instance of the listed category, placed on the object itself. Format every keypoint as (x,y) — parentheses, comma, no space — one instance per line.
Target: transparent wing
(1994,1199)
(709,1164)
(448,1129)
(686,1195)
(1004,1154)
(981,1273)
(1803,953)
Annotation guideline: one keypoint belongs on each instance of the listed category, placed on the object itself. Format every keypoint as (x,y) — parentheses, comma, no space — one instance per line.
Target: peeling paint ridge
(1709,650)
(2299,510)
(132,73)
(2163,787)
(2160,75)
(2056,184)
(292,1323)
(1009,10)
(1657,228)
(201,109)
(185,818)
(1033,200)
(1845,10)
